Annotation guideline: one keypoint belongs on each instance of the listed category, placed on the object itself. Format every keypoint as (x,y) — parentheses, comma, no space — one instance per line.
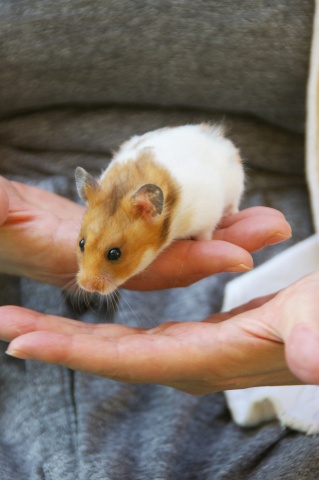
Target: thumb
(4,205)
(302,352)
(300,328)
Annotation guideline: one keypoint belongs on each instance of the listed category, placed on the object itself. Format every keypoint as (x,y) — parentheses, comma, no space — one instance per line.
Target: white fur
(204,164)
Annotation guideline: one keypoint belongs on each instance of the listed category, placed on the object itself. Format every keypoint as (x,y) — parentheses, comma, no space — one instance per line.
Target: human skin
(256,344)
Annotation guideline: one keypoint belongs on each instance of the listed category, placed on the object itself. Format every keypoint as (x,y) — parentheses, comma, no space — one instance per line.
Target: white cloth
(296,406)
(312,132)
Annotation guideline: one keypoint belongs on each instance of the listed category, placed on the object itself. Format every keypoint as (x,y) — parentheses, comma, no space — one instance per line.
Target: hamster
(168,184)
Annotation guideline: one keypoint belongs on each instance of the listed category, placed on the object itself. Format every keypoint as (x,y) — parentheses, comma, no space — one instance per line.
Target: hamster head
(121,233)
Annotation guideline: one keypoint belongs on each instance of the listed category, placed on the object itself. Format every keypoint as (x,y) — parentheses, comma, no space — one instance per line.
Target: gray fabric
(78,78)
(251,59)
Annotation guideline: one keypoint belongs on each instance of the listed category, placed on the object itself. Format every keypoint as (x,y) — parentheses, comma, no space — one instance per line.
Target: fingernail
(276,238)
(16,354)
(240,267)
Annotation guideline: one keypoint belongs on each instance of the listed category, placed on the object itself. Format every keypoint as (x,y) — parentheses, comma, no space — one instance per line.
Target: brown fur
(238,158)
(113,221)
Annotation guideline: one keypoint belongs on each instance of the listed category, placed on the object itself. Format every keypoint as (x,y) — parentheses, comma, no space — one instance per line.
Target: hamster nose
(90,285)
(100,284)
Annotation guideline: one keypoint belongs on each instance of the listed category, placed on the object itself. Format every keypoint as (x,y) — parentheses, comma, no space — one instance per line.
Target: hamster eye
(114,254)
(81,244)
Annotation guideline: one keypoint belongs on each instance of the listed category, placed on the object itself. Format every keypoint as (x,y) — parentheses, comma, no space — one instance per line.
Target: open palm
(269,341)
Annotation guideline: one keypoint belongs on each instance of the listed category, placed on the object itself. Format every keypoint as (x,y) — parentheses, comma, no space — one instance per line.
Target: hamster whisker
(77,296)
(71,286)
(112,302)
(138,320)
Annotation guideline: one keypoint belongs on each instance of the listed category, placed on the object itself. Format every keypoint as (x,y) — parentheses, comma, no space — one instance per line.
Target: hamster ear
(149,201)
(85,183)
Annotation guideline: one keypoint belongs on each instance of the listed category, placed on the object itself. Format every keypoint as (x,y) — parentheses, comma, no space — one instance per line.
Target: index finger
(254,228)
(138,358)
(186,261)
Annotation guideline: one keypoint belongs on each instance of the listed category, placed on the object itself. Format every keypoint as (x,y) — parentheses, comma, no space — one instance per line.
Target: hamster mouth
(101,284)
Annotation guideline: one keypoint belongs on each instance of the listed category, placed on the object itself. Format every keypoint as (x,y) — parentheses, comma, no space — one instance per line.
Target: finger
(206,257)
(4,205)
(158,356)
(17,321)
(298,325)
(302,353)
(139,358)
(253,232)
(249,212)
(291,317)
(60,206)
(187,260)
(241,309)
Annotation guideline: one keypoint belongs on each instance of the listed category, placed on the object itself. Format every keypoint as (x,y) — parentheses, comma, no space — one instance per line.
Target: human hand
(38,237)
(270,341)
(38,231)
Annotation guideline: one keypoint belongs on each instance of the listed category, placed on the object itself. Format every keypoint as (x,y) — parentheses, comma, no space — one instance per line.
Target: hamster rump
(169,184)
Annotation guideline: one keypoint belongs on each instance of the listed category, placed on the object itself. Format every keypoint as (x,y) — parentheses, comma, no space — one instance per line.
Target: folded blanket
(296,406)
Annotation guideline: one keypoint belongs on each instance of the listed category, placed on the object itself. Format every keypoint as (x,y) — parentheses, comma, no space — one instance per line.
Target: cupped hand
(270,341)
(39,229)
